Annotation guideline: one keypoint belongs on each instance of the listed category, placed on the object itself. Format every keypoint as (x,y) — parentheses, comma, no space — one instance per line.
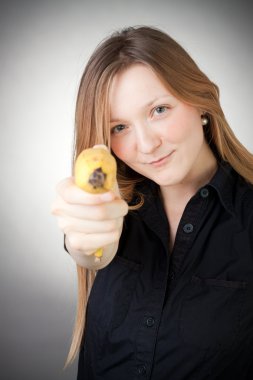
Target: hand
(89,221)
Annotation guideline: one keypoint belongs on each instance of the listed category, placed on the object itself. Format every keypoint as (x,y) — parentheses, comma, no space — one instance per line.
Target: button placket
(150,321)
(147,332)
(204,192)
(188,227)
(142,370)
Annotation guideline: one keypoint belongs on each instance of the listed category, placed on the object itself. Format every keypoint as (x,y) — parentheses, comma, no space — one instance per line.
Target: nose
(146,139)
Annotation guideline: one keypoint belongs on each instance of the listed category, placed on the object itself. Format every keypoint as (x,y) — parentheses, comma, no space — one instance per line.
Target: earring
(204,120)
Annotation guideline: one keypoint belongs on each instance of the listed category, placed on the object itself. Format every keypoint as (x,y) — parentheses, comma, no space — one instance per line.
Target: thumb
(116,190)
(101,146)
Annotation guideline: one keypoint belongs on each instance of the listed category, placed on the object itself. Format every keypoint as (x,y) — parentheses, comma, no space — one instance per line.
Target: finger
(68,225)
(101,146)
(104,211)
(72,194)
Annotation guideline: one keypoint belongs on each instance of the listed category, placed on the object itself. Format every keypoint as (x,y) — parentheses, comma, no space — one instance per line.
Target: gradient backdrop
(44,47)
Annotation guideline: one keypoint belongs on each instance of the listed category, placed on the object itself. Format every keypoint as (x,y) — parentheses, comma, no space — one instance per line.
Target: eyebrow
(145,105)
(156,99)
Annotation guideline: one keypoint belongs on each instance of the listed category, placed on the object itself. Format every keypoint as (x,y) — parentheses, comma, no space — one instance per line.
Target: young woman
(172,296)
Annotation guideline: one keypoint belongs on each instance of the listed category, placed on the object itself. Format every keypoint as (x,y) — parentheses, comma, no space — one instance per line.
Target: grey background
(44,47)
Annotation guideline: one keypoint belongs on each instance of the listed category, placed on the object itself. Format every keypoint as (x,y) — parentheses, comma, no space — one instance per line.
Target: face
(153,132)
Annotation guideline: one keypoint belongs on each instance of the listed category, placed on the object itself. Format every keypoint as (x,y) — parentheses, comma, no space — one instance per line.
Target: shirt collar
(223,182)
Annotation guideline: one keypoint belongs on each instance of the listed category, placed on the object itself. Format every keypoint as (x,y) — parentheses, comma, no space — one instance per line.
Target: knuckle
(61,224)
(125,208)
(55,207)
(61,186)
(115,235)
(64,225)
(66,196)
(100,212)
(75,242)
(65,190)
(66,229)
(112,225)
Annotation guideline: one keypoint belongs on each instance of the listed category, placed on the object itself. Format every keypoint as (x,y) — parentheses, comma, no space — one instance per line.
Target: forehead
(137,85)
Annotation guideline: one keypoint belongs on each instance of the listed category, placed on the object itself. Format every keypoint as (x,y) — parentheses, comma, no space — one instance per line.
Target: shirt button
(150,321)
(204,192)
(142,370)
(172,276)
(188,228)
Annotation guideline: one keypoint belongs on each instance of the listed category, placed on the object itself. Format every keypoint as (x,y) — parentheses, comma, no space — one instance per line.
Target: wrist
(89,260)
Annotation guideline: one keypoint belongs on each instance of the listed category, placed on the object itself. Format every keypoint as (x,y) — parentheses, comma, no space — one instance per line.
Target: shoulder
(244,197)
(243,203)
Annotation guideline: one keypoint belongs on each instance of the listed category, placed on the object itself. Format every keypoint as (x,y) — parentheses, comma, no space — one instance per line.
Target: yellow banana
(95,172)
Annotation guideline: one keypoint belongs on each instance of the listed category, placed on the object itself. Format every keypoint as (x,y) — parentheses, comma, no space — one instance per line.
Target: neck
(177,196)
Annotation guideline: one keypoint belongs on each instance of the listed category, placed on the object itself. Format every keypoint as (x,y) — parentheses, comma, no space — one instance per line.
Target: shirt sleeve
(64,243)
(251,233)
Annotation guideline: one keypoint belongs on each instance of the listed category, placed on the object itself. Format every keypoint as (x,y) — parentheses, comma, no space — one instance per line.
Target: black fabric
(180,315)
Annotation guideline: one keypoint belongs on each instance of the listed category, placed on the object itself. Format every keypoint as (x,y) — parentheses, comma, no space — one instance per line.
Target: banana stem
(98,255)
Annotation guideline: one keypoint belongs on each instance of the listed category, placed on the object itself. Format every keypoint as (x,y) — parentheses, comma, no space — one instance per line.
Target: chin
(163,182)
(172,180)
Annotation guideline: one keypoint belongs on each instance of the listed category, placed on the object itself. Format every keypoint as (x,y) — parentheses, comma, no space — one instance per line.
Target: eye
(118,128)
(160,109)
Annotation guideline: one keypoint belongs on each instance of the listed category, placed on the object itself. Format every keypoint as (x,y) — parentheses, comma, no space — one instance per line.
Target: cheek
(118,149)
(185,126)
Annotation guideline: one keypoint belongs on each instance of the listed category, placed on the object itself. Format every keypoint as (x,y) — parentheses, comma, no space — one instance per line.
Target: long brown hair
(176,69)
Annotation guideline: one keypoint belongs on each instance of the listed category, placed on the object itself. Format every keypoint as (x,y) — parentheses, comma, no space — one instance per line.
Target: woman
(172,297)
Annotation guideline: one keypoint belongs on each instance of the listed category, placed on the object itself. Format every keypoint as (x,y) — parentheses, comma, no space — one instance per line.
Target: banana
(95,172)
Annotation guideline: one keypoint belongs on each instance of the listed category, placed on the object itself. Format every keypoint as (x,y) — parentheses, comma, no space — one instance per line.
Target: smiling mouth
(160,161)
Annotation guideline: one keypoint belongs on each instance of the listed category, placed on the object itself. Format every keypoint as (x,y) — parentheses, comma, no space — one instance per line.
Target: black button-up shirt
(180,315)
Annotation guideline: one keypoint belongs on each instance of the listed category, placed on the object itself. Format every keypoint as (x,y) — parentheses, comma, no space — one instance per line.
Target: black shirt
(180,315)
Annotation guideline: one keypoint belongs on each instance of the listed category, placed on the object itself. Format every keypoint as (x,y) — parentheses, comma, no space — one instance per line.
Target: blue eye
(118,128)
(161,109)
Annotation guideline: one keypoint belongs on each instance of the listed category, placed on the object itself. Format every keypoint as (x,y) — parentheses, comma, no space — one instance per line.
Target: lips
(161,160)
